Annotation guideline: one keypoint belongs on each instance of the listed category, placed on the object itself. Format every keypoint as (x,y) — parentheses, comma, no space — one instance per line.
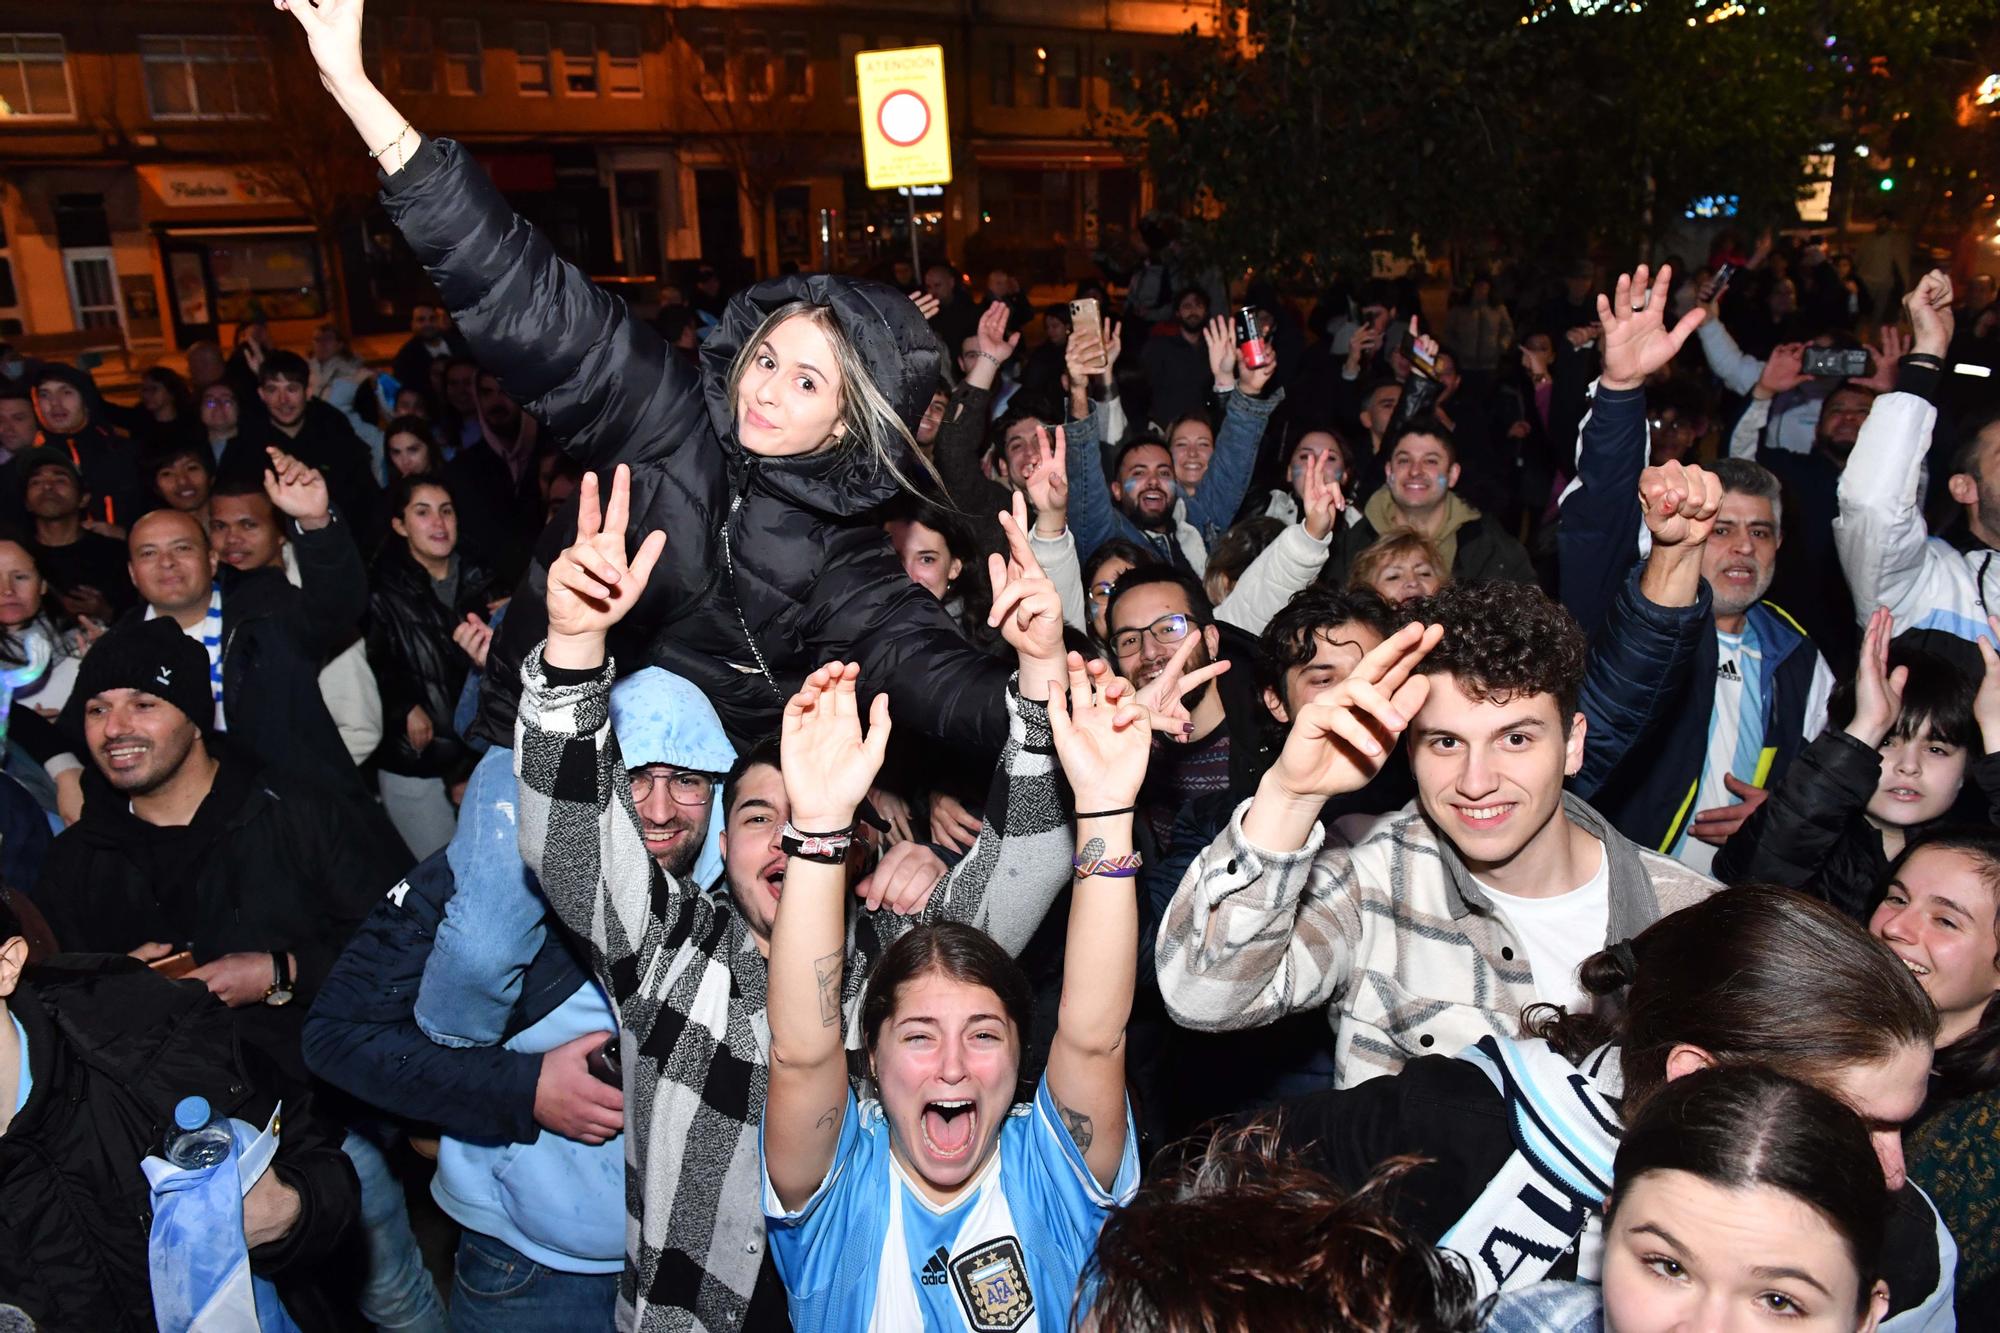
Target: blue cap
(191,1113)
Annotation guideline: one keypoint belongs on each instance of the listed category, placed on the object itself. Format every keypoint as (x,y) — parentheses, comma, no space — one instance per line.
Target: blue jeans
(501,1290)
(398,1293)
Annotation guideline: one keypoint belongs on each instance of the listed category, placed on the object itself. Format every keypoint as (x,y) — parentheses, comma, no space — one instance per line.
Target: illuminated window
(756,65)
(201,78)
(34,78)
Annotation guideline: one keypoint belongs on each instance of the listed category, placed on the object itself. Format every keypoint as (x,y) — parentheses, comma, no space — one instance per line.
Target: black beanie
(156,656)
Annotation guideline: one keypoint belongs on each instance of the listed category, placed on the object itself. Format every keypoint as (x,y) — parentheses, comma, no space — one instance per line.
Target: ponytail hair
(1751,975)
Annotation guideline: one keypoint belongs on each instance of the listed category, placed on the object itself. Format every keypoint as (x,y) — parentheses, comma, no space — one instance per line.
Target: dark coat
(275,639)
(415,661)
(773,565)
(325,441)
(1485,551)
(112,1047)
(362,1033)
(272,868)
(1813,833)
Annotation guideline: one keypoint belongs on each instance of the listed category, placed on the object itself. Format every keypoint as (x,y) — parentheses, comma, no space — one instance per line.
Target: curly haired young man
(1426,929)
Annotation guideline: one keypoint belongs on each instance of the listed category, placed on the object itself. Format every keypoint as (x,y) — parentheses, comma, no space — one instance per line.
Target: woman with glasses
(424,594)
(1101,573)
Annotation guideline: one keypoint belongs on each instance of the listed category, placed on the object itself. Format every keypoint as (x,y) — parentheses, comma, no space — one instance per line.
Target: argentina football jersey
(869,1253)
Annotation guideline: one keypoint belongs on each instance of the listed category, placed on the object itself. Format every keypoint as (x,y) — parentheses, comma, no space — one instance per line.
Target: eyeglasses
(218,402)
(1166,631)
(685,787)
(1100,591)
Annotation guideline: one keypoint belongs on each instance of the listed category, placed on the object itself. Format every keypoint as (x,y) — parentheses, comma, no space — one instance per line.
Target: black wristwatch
(281,979)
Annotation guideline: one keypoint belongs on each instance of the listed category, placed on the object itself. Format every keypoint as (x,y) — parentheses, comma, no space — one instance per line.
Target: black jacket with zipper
(416,664)
(111,1048)
(262,867)
(1813,834)
(773,565)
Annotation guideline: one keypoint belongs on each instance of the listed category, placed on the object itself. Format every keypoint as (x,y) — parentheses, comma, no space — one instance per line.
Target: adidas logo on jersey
(1728,671)
(935,1273)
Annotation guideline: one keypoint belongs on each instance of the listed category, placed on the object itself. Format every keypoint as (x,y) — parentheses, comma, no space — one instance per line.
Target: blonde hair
(1397,543)
(870,419)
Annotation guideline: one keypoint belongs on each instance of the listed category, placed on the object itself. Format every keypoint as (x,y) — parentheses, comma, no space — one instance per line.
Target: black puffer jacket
(773,565)
(415,661)
(1813,834)
(112,1047)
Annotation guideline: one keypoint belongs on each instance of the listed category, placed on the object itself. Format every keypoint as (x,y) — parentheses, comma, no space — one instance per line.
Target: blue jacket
(1597,540)
(1094,519)
(560,1202)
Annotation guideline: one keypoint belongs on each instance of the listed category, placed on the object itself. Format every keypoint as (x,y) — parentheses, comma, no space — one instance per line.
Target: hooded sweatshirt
(105,459)
(1384,517)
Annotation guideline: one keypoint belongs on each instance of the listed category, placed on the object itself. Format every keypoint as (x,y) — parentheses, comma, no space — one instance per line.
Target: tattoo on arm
(827,972)
(1092,850)
(1078,1125)
(830,1119)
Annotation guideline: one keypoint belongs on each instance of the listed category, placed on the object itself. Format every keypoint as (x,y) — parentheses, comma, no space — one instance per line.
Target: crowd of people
(850,806)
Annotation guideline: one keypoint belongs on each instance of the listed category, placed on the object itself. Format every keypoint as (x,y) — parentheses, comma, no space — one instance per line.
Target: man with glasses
(222,421)
(1152,612)
(455,1005)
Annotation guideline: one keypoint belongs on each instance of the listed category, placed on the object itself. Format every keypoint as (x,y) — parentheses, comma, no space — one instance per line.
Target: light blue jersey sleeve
(1051,1182)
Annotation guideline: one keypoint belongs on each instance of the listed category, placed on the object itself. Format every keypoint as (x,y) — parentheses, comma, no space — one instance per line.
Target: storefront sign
(207,187)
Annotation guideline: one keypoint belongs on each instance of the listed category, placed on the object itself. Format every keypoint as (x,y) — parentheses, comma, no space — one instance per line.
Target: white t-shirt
(1560,932)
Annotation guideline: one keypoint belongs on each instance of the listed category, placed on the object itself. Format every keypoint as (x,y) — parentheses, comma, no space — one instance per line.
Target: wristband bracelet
(986,356)
(1106,814)
(1926,359)
(826,848)
(1108,867)
(377,154)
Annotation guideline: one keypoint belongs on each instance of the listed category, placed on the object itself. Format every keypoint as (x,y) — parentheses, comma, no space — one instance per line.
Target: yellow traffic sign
(904,138)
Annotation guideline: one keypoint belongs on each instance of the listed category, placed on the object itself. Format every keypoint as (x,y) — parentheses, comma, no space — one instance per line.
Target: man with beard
(531,1163)
(1143,503)
(1176,361)
(317,435)
(182,848)
(1758,679)
(1809,578)
(430,340)
(1153,612)
(494,478)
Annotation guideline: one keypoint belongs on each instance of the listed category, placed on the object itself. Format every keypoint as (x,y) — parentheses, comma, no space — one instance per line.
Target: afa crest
(992,1285)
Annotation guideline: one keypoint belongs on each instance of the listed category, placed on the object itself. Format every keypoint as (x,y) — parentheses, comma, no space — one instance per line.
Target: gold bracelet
(377,154)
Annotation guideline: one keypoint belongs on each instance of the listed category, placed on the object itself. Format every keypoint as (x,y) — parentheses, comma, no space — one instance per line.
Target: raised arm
(333,583)
(578,829)
(571,353)
(1244,417)
(1052,545)
(1263,924)
(1103,741)
(1288,565)
(828,767)
(1598,538)
(1638,663)
(1885,549)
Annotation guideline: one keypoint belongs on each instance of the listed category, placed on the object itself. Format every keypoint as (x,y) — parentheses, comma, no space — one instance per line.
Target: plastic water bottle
(199,1137)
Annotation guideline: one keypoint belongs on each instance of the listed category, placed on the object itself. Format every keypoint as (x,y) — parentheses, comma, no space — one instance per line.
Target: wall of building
(605,121)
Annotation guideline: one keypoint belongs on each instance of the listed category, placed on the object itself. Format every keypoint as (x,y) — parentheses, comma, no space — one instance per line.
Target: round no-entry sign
(904,117)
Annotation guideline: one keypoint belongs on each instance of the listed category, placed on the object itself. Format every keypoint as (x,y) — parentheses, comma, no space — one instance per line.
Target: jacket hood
(894,341)
(661,718)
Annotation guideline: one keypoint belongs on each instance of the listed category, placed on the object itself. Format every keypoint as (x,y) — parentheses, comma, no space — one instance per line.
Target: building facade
(170,169)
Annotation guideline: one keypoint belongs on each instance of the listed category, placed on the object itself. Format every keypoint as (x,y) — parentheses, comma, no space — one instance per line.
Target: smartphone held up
(1085,315)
